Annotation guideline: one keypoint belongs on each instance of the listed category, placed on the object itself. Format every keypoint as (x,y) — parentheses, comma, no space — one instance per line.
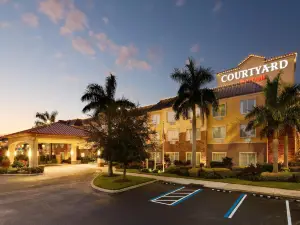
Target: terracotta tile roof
(221,92)
(57,128)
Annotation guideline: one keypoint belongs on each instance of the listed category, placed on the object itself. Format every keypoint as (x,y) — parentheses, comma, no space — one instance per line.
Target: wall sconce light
(7,153)
(98,153)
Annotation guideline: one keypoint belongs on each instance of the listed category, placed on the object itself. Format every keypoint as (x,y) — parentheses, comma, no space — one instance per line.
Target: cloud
(180,2)
(155,54)
(4,25)
(218,6)
(54,9)
(195,48)
(126,55)
(105,20)
(75,21)
(30,19)
(83,46)
(59,55)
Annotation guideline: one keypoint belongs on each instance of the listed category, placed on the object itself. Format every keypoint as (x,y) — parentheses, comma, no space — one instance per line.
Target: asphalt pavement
(70,200)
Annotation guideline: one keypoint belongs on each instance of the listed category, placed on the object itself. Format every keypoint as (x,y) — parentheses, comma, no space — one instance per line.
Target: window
(247,105)
(155,119)
(247,158)
(218,156)
(219,132)
(173,156)
(190,113)
(171,117)
(221,112)
(189,134)
(173,135)
(246,134)
(188,157)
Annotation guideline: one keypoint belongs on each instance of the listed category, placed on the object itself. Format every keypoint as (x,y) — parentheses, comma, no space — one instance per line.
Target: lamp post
(98,158)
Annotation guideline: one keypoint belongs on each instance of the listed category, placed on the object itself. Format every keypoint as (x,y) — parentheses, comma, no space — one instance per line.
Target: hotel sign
(247,74)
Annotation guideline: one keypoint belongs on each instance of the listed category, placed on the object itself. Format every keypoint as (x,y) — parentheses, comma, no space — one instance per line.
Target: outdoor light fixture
(7,154)
(48,121)
(71,152)
(15,153)
(98,153)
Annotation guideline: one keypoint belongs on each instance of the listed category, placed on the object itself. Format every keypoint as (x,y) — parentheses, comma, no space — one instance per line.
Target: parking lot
(73,201)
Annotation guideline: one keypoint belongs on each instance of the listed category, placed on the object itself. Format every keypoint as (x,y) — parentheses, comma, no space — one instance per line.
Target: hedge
(25,170)
(281,176)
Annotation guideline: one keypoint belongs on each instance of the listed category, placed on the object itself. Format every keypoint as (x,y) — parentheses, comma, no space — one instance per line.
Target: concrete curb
(120,190)
(33,174)
(265,191)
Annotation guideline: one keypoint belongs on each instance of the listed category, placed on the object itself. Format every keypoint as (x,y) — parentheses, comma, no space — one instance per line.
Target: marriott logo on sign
(242,74)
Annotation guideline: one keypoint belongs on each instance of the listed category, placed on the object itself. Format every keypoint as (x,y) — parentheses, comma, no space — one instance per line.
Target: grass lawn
(270,184)
(116,182)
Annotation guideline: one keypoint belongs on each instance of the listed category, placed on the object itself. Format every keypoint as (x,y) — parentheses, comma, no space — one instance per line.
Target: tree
(279,114)
(129,139)
(192,92)
(101,100)
(44,119)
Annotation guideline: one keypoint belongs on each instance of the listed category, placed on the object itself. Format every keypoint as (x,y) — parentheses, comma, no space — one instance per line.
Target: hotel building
(223,132)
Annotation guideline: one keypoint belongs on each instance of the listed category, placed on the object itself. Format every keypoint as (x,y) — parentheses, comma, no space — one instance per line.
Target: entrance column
(33,153)
(73,154)
(11,152)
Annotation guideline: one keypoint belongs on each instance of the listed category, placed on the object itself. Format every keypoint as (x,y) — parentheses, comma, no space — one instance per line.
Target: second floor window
(190,113)
(171,117)
(247,105)
(219,132)
(155,119)
(246,134)
(173,135)
(221,112)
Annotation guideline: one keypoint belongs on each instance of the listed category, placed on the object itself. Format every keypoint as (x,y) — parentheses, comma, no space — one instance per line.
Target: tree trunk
(194,137)
(286,151)
(124,172)
(275,152)
(154,166)
(110,170)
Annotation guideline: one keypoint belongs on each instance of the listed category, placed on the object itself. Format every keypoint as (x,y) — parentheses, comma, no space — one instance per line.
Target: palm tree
(44,119)
(101,100)
(279,114)
(192,92)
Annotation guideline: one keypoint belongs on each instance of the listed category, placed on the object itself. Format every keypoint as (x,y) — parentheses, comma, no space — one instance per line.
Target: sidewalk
(225,186)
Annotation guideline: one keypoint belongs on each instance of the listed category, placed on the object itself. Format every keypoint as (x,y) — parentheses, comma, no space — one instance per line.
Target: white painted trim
(212,130)
(120,190)
(197,153)
(248,153)
(225,111)
(247,104)
(217,153)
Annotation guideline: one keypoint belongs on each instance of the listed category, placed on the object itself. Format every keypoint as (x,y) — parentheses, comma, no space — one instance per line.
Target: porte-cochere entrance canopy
(55,133)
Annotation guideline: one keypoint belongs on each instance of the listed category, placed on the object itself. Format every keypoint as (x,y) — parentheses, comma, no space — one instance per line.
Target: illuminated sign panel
(243,74)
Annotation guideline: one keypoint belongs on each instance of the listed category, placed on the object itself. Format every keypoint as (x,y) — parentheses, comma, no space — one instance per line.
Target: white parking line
(288,213)
(235,206)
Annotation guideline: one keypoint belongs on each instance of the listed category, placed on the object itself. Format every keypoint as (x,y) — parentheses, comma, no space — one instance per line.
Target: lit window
(173,135)
(171,117)
(190,113)
(155,119)
(173,156)
(189,157)
(247,158)
(221,112)
(247,105)
(189,134)
(219,132)
(218,156)
(246,134)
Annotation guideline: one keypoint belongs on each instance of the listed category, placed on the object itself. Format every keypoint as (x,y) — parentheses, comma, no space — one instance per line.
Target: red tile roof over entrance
(57,128)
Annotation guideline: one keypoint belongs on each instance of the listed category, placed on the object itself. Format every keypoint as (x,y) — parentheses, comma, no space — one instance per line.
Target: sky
(50,50)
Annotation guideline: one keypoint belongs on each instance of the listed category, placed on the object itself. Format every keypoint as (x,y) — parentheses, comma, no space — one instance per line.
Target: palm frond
(53,116)
(110,86)
(180,76)
(41,116)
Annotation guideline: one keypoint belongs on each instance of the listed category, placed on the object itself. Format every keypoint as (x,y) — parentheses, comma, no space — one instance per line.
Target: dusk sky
(52,49)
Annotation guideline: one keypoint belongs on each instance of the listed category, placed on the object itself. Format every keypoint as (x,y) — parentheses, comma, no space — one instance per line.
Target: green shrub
(215,164)
(217,173)
(184,171)
(155,171)
(212,175)
(295,169)
(268,167)
(294,163)
(173,170)
(281,176)
(5,163)
(227,162)
(145,170)
(251,173)
(3,170)
(194,172)
(17,164)
(295,178)
(237,168)
(21,157)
